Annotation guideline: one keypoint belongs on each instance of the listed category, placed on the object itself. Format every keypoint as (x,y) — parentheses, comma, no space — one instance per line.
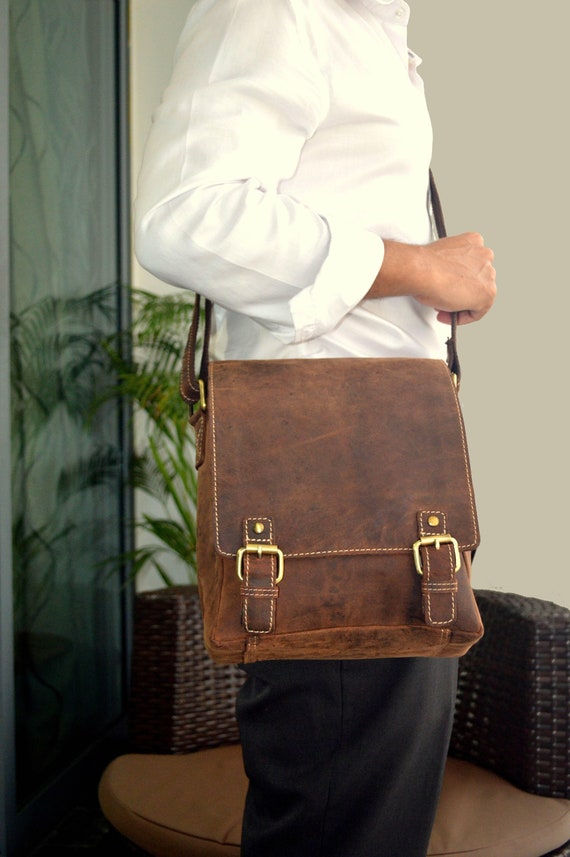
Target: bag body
(336,516)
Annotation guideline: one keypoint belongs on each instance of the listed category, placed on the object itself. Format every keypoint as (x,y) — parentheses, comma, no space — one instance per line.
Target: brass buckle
(260,550)
(436,542)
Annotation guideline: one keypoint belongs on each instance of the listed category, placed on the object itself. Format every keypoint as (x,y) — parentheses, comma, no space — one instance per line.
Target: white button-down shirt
(293,137)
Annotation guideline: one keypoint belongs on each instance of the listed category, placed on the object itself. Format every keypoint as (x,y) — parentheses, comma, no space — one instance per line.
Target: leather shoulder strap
(452,355)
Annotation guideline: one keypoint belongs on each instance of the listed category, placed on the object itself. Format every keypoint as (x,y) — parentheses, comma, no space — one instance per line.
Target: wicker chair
(510,743)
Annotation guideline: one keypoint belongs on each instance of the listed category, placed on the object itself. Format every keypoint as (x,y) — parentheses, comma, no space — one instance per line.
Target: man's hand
(453,274)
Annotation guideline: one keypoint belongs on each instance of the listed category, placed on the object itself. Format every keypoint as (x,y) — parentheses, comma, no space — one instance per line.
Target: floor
(84,832)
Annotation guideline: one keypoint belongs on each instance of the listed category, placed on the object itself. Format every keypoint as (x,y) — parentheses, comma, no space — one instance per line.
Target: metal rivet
(433,520)
(258,527)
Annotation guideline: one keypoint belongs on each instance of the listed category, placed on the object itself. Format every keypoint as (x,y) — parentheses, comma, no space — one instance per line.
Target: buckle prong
(202,388)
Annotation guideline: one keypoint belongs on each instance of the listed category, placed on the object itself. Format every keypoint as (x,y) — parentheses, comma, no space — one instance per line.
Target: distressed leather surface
(348,459)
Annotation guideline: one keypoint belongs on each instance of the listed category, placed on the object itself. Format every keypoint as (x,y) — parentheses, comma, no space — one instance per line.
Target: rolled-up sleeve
(246,94)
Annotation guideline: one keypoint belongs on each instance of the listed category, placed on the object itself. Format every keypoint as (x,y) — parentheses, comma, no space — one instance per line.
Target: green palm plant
(147,371)
(57,366)
(66,368)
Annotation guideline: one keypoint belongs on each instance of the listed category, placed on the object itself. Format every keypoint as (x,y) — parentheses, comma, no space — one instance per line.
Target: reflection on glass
(66,487)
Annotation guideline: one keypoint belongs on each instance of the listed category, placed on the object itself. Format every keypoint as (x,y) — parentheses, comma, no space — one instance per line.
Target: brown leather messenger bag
(336,515)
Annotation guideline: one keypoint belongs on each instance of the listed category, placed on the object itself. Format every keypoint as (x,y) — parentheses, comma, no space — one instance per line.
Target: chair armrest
(180,700)
(513,704)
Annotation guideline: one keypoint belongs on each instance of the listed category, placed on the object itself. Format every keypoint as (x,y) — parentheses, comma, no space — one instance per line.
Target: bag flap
(341,454)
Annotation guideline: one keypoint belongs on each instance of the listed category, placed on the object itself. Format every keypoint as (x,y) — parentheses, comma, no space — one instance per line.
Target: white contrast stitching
(465,459)
(429,586)
(347,551)
(271,603)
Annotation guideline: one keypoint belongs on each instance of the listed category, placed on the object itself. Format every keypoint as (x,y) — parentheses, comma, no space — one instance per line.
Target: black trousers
(345,758)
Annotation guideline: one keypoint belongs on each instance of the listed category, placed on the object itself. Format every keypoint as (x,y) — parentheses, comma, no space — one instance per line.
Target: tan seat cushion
(185,806)
(178,806)
(481,814)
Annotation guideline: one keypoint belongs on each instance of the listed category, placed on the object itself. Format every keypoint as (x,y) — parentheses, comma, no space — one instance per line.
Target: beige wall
(154,28)
(497,81)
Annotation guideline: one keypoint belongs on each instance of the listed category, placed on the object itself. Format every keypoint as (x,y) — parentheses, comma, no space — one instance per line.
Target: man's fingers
(473,238)
(464,316)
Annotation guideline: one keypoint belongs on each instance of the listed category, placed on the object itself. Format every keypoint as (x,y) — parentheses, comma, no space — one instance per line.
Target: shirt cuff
(352,264)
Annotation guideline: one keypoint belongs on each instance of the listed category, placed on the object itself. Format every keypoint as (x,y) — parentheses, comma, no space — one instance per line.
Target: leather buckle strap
(437,559)
(260,567)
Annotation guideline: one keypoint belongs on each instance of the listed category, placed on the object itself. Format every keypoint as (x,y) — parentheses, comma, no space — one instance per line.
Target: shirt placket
(393,16)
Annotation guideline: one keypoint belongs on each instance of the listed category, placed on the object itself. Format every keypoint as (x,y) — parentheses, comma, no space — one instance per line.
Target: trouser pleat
(345,758)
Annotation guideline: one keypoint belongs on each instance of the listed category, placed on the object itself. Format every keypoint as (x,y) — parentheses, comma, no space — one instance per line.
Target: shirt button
(400,12)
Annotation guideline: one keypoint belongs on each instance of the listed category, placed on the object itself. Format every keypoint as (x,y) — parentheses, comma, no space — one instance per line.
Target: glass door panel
(64,301)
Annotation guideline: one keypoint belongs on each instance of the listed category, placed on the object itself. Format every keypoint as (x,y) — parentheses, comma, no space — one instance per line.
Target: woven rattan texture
(513,704)
(180,700)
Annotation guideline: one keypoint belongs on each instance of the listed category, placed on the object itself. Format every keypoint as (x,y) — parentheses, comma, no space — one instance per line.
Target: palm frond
(57,352)
(99,468)
(146,364)
(172,535)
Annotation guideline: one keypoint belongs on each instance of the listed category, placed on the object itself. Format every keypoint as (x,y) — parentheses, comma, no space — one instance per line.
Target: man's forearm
(454,274)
